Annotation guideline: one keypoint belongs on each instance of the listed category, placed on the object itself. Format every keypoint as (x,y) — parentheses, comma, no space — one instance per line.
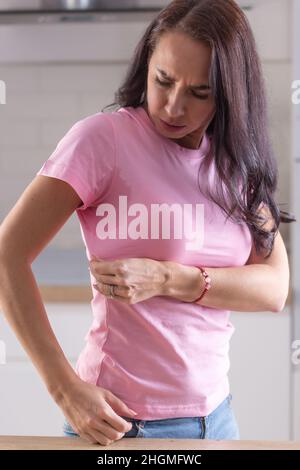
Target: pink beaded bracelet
(207,283)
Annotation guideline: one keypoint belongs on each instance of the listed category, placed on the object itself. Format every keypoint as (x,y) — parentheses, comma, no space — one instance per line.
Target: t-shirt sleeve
(85,158)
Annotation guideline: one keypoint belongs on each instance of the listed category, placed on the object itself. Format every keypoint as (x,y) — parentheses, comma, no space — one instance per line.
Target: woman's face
(182,65)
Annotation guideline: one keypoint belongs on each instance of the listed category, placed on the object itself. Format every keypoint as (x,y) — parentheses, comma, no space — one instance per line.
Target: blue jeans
(219,424)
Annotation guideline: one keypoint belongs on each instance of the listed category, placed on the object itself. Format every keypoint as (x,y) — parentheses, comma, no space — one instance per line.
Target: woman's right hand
(94,412)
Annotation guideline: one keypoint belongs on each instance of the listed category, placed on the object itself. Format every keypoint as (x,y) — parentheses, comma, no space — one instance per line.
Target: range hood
(48,6)
(49,11)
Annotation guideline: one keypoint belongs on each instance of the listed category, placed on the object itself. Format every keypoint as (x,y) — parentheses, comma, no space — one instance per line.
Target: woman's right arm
(38,215)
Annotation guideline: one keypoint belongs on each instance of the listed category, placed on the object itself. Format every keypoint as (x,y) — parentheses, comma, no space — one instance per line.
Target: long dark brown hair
(240,143)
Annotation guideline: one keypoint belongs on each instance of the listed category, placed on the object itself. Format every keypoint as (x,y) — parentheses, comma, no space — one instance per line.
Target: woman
(180,227)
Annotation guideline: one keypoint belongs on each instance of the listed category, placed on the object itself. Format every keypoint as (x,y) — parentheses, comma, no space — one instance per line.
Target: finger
(103,289)
(115,280)
(117,423)
(84,434)
(115,297)
(100,438)
(88,437)
(104,267)
(111,417)
(119,292)
(111,433)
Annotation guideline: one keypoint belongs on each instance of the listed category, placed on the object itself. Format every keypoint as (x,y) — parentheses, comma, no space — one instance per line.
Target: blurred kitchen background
(62,60)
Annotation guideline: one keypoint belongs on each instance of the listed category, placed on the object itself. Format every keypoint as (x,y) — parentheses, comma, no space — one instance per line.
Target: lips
(173,125)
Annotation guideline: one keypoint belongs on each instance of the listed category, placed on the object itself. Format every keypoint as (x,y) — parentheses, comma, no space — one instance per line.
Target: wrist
(167,272)
(182,282)
(206,283)
(62,387)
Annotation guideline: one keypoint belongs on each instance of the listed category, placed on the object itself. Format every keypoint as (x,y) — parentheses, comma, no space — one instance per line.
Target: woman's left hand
(134,279)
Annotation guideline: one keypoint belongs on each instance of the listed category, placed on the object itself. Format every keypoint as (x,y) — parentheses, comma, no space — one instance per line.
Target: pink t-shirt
(163,357)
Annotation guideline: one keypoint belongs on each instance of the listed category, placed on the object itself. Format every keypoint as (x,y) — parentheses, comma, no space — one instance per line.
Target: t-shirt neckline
(198,153)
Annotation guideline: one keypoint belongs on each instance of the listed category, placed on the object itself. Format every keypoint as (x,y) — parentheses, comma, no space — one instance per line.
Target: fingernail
(133,412)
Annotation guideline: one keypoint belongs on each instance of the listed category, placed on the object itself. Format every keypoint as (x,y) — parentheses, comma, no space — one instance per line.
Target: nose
(175,107)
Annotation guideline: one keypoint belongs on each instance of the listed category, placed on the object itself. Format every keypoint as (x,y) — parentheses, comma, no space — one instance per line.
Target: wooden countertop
(61,293)
(76,443)
(83,293)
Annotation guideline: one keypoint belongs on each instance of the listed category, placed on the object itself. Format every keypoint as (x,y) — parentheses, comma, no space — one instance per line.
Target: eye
(200,97)
(166,84)
(161,83)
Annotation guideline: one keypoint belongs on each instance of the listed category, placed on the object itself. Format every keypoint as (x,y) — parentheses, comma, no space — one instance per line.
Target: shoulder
(93,124)
(105,123)
(90,133)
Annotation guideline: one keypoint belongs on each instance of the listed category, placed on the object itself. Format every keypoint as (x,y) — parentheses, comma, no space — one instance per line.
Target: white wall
(260,370)
(26,408)
(296,227)
(57,74)
(43,101)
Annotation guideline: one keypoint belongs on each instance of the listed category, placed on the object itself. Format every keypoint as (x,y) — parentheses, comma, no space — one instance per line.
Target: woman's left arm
(260,285)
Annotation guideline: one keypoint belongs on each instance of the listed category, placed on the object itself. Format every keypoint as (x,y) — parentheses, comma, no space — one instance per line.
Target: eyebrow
(196,87)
